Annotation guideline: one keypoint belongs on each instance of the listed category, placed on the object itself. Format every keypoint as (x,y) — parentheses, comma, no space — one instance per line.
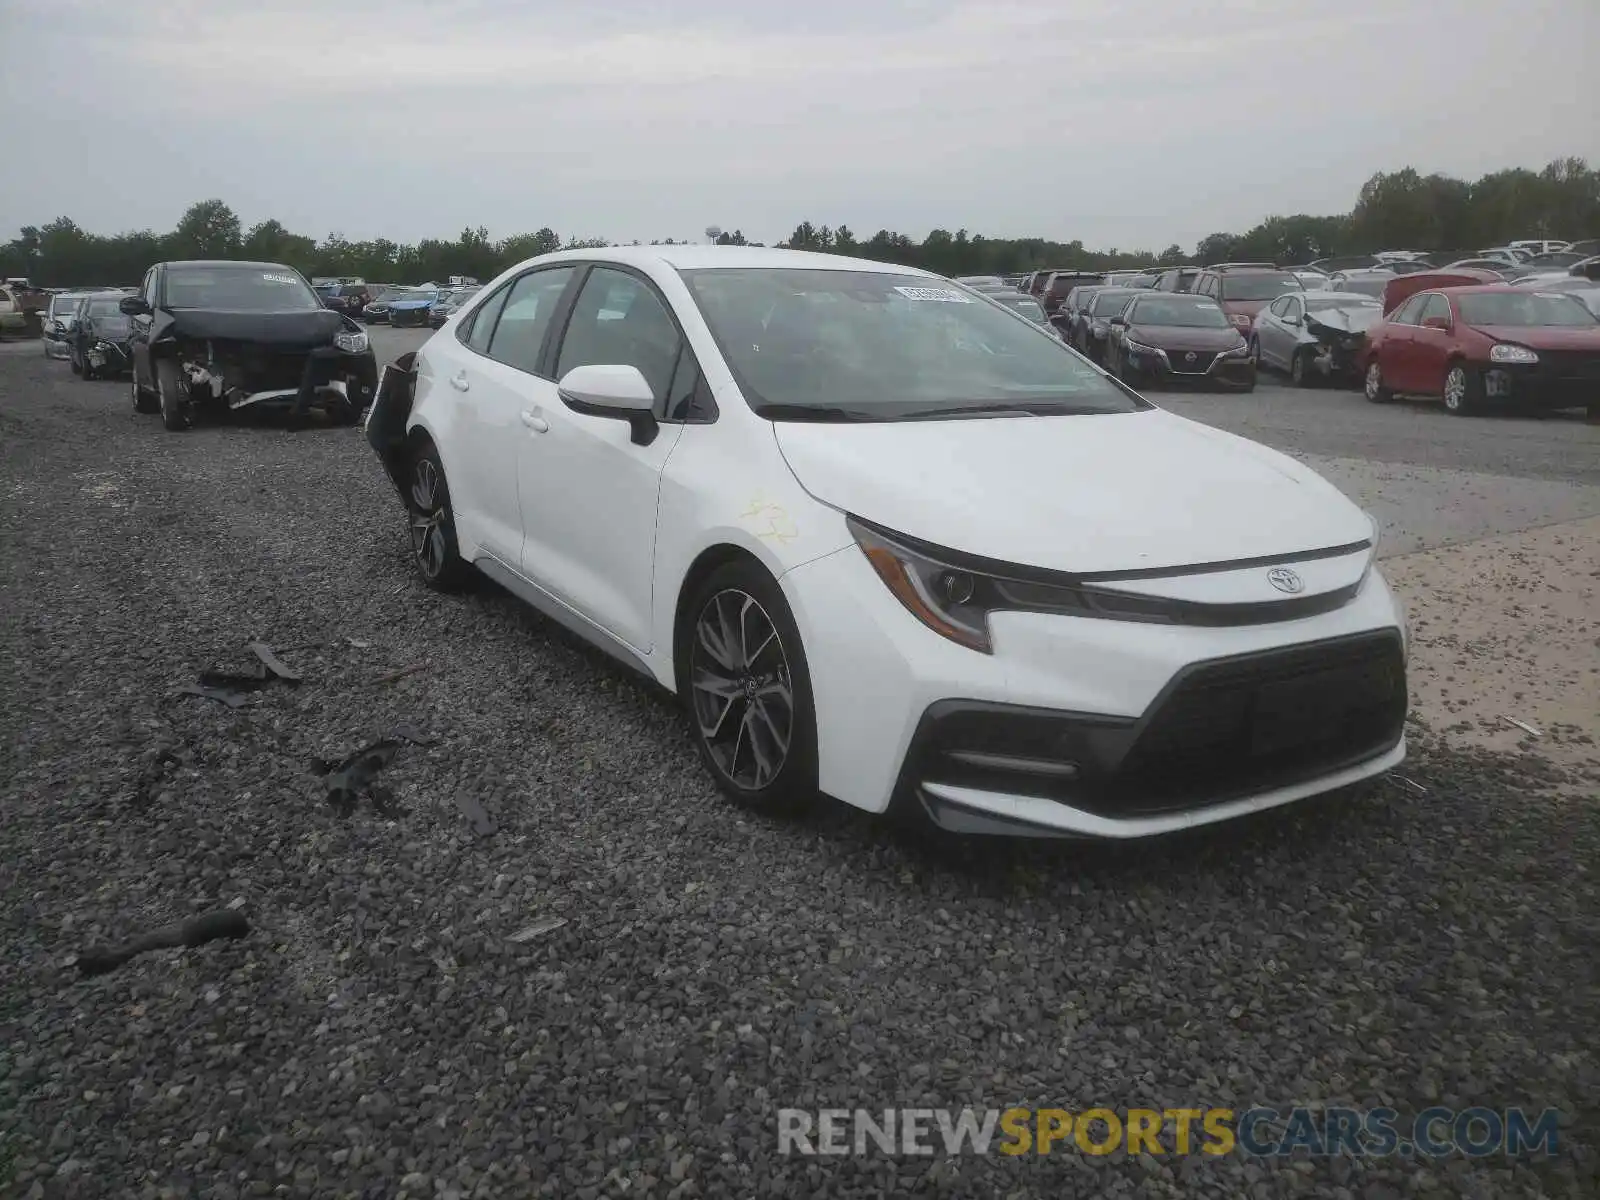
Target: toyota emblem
(1285,580)
(1189,357)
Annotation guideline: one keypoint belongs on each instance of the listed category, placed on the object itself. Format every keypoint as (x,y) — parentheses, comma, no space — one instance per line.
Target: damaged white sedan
(894,543)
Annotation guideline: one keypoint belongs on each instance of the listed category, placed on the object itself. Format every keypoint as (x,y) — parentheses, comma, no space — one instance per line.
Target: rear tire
(434,549)
(1374,387)
(743,677)
(173,395)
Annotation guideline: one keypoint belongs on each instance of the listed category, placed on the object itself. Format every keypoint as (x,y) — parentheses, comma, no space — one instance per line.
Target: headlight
(1504,353)
(351,341)
(955,600)
(1240,351)
(1134,347)
(1377,530)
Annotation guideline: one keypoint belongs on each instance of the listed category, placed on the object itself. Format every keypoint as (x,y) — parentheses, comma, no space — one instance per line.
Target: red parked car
(1495,342)
(1402,287)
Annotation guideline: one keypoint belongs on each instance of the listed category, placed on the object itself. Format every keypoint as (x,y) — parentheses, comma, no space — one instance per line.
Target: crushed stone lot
(609,980)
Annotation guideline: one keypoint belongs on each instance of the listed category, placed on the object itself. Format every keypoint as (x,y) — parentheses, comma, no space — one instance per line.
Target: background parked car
(1027,306)
(376,311)
(100,346)
(447,306)
(1367,283)
(1062,282)
(1177,279)
(412,309)
(1094,328)
(1402,287)
(1493,342)
(347,298)
(1162,338)
(1244,289)
(58,319)
(1315,335)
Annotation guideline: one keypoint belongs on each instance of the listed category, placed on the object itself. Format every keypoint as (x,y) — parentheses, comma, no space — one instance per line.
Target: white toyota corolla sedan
(893,543)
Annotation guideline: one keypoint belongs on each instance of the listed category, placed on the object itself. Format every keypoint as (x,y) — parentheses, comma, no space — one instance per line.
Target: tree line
(1394,210)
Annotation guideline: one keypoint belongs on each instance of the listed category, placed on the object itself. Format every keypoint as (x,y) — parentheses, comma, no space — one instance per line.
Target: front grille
(1221,730)
(262,369)
(1183,364)
(1581,365)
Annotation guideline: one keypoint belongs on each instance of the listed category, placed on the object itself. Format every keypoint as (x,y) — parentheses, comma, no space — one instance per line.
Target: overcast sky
(1128,125)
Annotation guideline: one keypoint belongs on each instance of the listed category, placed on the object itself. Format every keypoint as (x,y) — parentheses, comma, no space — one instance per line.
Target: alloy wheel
(427,519)
(742,694)
(1455,389)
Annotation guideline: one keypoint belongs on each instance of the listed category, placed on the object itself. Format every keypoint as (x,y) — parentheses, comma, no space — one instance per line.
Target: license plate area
(1304,711)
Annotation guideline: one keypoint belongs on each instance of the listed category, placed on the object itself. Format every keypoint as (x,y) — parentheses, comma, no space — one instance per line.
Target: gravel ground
(379,1033)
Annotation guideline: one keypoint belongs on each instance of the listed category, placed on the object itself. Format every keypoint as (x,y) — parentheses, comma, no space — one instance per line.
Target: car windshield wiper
(1010,408)
(814,412)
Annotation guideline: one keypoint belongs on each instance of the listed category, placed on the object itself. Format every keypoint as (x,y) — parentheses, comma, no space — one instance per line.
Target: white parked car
(894,543)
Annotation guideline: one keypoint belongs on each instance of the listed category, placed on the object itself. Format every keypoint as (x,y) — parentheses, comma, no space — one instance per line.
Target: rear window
(1109,302)
(1259,285)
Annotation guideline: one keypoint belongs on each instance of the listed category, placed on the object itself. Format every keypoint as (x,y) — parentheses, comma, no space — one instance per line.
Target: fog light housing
(1497,383)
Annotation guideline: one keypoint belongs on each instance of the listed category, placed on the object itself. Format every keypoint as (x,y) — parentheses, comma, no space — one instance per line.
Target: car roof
(699,257)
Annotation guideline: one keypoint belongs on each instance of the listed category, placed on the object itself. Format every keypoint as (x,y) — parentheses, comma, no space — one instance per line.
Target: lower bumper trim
(971,811)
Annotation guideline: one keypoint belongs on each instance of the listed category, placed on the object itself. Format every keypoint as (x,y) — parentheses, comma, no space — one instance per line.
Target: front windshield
(1184,314)
(104,308)
(1258,285)
(1524,309)
(869,345)
(239,289)
(1110,302)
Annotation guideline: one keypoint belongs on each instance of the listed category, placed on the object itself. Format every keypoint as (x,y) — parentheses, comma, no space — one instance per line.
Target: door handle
(534,421)
(459,381)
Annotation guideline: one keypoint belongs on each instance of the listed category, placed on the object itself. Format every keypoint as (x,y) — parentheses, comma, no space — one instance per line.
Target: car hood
(1544,337)
(1082,494)
(303,327)
(1358,318)
(1177,337)
(411,303)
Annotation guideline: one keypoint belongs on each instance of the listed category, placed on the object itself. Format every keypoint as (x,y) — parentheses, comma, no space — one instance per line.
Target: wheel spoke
(764,767)
(744,716)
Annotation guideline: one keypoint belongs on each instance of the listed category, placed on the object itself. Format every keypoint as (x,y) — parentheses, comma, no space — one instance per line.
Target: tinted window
(1409,312)
(1184,313)
(873,345)
(619,320)
(239,289)
(519,333)
(1436,307)
(1279,306)
(479,327)
(1257,285)
(1524,309)
(1110,302)
(687,395)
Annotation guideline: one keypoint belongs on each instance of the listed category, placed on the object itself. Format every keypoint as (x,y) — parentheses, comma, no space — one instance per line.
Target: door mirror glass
(133,306)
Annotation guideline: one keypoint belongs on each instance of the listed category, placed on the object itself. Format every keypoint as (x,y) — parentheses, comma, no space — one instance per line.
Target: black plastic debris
(231,699)
(352,777)
(233,688)
(197,932)
(273,663)
(483,824)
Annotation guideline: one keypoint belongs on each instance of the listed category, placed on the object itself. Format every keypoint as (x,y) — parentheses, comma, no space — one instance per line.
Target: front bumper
(1086,727)
(375,316)
(296,381)
(402,317)
(1555,381)
(1192,366)
(115,357)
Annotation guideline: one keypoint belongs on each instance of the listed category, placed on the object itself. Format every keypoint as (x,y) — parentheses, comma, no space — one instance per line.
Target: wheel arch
(710,559)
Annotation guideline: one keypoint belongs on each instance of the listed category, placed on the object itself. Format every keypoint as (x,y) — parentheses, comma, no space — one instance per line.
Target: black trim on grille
(1219,731)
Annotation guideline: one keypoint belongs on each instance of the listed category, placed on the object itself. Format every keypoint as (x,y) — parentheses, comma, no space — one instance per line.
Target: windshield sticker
(278,278)
(943,295)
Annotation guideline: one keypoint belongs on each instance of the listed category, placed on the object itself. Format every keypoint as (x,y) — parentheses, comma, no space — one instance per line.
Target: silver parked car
(58,322)
(1315,335)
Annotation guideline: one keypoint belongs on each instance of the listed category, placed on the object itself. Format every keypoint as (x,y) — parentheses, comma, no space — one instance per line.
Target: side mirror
(614,391)
(133,306)
(1118,323)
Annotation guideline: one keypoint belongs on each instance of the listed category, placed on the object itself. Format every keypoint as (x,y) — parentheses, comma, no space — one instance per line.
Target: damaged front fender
(389,415)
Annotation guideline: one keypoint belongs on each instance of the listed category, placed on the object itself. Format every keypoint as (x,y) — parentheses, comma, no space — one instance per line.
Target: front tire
(434,548)
(173,395)
(1300,369)
(743,677)
(1374,386)
(1463,391)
